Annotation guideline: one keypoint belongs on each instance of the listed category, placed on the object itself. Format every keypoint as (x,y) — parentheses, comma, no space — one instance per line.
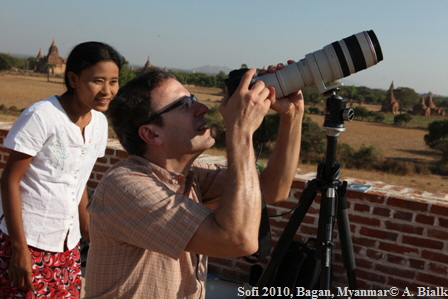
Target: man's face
(184,130)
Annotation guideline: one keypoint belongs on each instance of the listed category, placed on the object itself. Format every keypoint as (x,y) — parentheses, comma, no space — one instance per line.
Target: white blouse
(52,186)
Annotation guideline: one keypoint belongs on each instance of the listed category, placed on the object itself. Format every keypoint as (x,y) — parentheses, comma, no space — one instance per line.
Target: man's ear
(72,79)
(150,135)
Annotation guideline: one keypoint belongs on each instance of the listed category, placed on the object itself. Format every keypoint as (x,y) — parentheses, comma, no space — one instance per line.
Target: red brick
(376,255)
(99,168)
(403,284)
(378,234)
(298,184)
(417,264)
(425,219)
(402,227)
(372,276)
(403,215)
(437,233)
(438,268)
(104,160)
(365,220)
(407,204)
(422,242)
(443,222)
(432,280)
(365,197)
(361,207)
(381,211)
(366,242)
(440,256)
(439,210)
(388,247)
(396,259)
(396,271)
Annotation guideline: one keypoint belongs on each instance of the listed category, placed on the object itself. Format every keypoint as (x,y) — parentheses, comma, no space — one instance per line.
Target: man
(157,216)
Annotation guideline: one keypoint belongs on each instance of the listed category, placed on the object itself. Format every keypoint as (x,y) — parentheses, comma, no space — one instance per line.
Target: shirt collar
(177,182)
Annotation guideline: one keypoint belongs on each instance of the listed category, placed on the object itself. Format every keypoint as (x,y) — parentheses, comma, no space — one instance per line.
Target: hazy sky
(191,33)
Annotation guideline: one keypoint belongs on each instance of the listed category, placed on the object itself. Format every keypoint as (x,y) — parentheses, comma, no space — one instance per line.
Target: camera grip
(234,79)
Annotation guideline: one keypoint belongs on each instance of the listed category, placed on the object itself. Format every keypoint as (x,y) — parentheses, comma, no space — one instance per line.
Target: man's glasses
(186,102)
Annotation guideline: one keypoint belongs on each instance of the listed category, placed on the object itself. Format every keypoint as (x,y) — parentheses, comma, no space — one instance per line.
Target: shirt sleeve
(28,133)
(103,135)
(211,178)
(141,211)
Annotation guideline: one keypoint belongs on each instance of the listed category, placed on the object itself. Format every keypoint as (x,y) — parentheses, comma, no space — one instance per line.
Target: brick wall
(399,234)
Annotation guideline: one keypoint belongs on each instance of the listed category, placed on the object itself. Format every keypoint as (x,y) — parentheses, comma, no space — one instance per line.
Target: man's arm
(232,230)
(277,178)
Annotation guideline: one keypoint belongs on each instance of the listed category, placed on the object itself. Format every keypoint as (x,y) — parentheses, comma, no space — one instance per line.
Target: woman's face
(96,85)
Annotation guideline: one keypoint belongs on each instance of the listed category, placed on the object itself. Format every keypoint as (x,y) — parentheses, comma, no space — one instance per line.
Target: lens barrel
(335,61)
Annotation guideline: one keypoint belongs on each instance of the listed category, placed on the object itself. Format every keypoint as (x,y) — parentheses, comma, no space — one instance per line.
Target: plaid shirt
(142,218)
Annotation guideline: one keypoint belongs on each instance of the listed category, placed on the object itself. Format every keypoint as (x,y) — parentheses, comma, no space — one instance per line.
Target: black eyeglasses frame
(173,106)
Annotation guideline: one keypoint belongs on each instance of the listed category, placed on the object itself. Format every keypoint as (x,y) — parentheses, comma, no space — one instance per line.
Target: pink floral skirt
(55,274)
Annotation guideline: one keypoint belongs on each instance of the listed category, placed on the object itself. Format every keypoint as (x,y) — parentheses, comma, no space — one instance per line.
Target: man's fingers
(247,78)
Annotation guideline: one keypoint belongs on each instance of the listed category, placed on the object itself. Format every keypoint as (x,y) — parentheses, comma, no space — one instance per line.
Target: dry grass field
(22,91)
(399,143)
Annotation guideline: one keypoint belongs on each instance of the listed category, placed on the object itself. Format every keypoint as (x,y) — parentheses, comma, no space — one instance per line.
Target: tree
(407,97)
(311,95)
(5,63)
(48,67)
(31,63)
(437,138)
(402,119)
(361,113)
(313,141)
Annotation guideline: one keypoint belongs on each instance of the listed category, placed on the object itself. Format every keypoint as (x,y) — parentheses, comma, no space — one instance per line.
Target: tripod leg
(345,237)
(325,236)
(290,230)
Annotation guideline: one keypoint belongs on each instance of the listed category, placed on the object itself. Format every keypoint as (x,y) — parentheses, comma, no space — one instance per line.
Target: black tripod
(333,205)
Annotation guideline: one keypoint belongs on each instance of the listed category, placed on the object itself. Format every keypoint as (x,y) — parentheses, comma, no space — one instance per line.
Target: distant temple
(147,64)
(426,107)
(52,63)
(390,104)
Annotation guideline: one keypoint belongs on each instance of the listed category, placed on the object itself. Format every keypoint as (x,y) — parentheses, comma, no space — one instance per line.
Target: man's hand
(293,104)
(246,108)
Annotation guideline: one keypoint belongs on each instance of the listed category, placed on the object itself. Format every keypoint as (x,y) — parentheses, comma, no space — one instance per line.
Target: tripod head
(336,113)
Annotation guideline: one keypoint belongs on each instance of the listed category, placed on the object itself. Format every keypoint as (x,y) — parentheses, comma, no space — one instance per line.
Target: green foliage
(312,95)
(406,97)
(363,94)
(361,113)
(401,119)
(366,157)
(201,79)
(217,127)
(437,137)
(7,62)
(314,110)
(379,118)
(31,61)
(126,75)
(313,141)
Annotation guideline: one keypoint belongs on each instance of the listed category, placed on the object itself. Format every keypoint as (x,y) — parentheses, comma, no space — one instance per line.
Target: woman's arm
(20,269)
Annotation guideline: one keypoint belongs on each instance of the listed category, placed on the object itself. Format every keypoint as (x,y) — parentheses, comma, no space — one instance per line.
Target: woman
(54,145)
